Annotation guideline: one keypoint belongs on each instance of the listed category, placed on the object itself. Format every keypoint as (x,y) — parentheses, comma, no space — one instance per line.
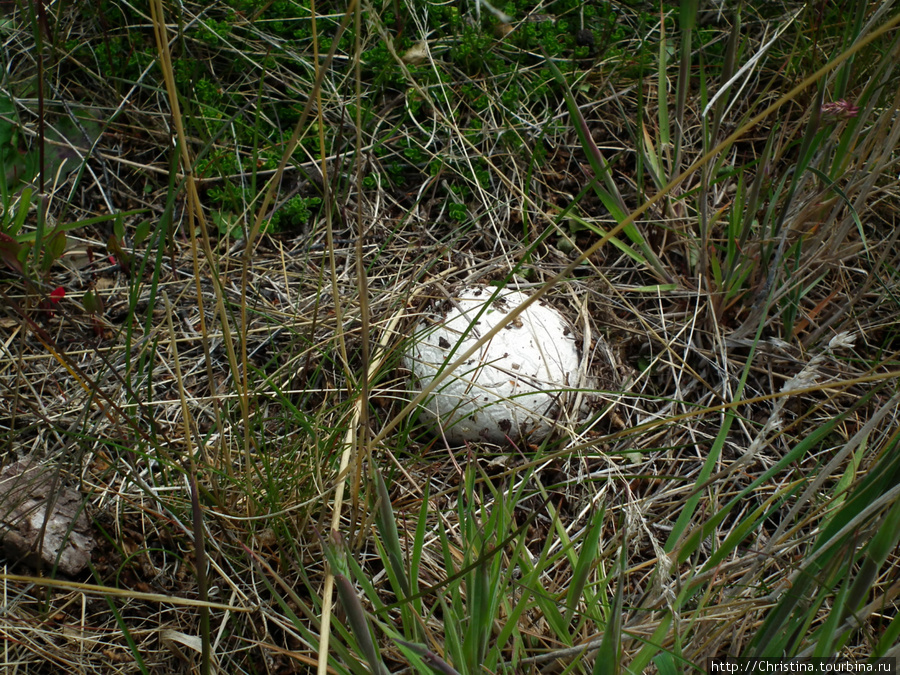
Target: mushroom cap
(514,386)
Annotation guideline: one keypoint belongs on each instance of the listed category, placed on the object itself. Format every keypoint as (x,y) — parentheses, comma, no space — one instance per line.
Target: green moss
(294,214)
(213,31)
(457,212)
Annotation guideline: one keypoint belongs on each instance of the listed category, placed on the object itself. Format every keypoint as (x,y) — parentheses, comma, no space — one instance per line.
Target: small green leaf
(93,303)
(587,555)
(21,212)
(54,248)
(141,232)
(227,223)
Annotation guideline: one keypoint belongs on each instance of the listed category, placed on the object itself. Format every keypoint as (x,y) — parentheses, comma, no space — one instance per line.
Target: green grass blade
(781,626)
(608,660)
(359,624)
(610,196)
(587,556)
(390,537)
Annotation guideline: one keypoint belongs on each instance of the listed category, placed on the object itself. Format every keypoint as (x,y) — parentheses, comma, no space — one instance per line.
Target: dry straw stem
(240,374)
(200,561)
(274,183)
(630,219)
(839,385)
(196,210)
(125,593)
(350,445)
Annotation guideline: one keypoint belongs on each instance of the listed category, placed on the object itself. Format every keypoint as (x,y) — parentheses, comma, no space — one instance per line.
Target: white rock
(514,386)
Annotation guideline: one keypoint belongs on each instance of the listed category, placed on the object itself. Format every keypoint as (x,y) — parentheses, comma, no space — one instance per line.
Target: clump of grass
(248,241)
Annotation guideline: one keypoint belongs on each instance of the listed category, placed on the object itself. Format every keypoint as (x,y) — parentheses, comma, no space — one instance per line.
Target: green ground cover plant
(223,222)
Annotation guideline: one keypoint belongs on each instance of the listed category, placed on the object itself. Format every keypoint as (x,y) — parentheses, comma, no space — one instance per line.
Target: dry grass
(239,394)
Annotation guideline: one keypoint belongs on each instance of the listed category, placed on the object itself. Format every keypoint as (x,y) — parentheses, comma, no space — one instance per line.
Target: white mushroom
(514,386)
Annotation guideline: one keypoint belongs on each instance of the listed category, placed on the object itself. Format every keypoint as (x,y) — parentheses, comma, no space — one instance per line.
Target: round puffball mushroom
(514,386)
